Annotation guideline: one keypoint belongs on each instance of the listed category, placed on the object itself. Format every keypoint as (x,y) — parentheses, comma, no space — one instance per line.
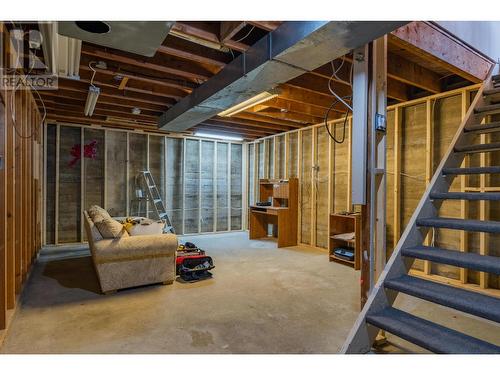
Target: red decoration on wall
(89,151)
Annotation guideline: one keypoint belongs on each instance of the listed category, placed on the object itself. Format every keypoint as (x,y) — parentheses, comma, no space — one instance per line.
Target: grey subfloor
(261,300)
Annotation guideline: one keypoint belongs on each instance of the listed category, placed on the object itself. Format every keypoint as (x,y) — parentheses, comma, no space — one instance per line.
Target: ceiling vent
(139,37)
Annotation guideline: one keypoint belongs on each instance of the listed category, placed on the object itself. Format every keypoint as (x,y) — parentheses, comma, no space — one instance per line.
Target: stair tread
(471,170)
(460,224)
(479,147)
(483,127)
(467,196)
(488,108)
(459,299)
(484,263)
(429,335)
(491,92)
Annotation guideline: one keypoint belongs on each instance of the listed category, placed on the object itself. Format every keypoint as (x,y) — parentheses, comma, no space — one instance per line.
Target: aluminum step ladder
(378,312)
(154,197)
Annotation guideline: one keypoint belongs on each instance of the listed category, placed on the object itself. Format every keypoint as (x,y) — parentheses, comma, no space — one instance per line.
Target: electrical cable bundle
(338,99)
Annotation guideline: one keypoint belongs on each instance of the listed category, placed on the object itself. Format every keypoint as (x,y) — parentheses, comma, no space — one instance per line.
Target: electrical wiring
(339,99)
(246,35)
(93,74)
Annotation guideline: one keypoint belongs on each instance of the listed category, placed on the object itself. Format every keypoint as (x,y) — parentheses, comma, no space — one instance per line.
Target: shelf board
(332,256)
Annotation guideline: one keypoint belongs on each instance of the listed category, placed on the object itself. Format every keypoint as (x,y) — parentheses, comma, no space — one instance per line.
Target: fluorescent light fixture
(257,99)
(91,100)
(217,136)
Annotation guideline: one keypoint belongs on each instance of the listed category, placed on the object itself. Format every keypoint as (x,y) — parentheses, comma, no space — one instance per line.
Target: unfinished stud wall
(192,175)
(21,176)
(418,135)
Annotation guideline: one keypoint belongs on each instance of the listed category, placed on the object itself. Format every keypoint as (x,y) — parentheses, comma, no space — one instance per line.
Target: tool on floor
(145,181)
(192,264)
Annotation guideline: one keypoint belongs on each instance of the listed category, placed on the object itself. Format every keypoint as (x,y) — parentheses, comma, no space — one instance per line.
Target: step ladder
(378,312)
(154,197)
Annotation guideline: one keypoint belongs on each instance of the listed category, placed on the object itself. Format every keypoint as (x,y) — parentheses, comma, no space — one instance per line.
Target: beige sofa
(131,260)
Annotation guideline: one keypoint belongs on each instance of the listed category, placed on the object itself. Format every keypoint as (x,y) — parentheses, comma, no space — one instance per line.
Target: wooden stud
(3,216)
(200,218)
(228,186)
(56,203)
(464,204)
(299,175)
(105,170)
(483,211)
(349,167)
(244,195)
(11,204)
(429,161)
(286,172)
(83,185)
(216,211)
(183,184)
(398,125)
(314,180)
(127,176)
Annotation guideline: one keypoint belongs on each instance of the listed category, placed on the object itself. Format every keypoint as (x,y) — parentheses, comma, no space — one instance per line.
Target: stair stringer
(362,335)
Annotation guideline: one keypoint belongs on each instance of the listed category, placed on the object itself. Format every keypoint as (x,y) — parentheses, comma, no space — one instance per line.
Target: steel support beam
(292,49)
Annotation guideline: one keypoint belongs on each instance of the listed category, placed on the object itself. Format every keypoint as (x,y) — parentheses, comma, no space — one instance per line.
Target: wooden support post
(429,164)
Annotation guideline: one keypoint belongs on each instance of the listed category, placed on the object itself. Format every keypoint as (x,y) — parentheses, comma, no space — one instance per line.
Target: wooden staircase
(378,312)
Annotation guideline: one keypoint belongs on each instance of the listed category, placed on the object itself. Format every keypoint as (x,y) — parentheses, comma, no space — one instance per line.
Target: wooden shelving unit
(282,213)
(341,224)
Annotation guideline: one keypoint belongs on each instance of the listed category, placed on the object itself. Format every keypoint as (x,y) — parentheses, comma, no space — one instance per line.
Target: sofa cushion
(135,248)
(143,229)
(98,214)
(110,228)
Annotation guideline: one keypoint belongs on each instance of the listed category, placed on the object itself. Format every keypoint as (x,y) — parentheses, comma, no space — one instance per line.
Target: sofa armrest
(135,247)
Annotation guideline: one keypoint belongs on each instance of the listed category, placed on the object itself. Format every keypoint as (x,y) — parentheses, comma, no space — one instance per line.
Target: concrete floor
(261,300)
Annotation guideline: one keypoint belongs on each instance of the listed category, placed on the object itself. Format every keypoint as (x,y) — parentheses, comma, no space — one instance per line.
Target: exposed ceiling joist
(405,71)
(160,63)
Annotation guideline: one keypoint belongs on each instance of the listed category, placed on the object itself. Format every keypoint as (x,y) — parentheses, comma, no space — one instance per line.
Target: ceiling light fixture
(136,111)
(217,136)
(91,100)
(257,99)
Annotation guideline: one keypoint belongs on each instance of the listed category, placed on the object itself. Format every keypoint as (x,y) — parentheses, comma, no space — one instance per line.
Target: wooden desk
(283,218)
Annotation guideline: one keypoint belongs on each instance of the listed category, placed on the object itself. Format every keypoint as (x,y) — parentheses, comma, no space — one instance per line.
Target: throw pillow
(110,228)
(97,213)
